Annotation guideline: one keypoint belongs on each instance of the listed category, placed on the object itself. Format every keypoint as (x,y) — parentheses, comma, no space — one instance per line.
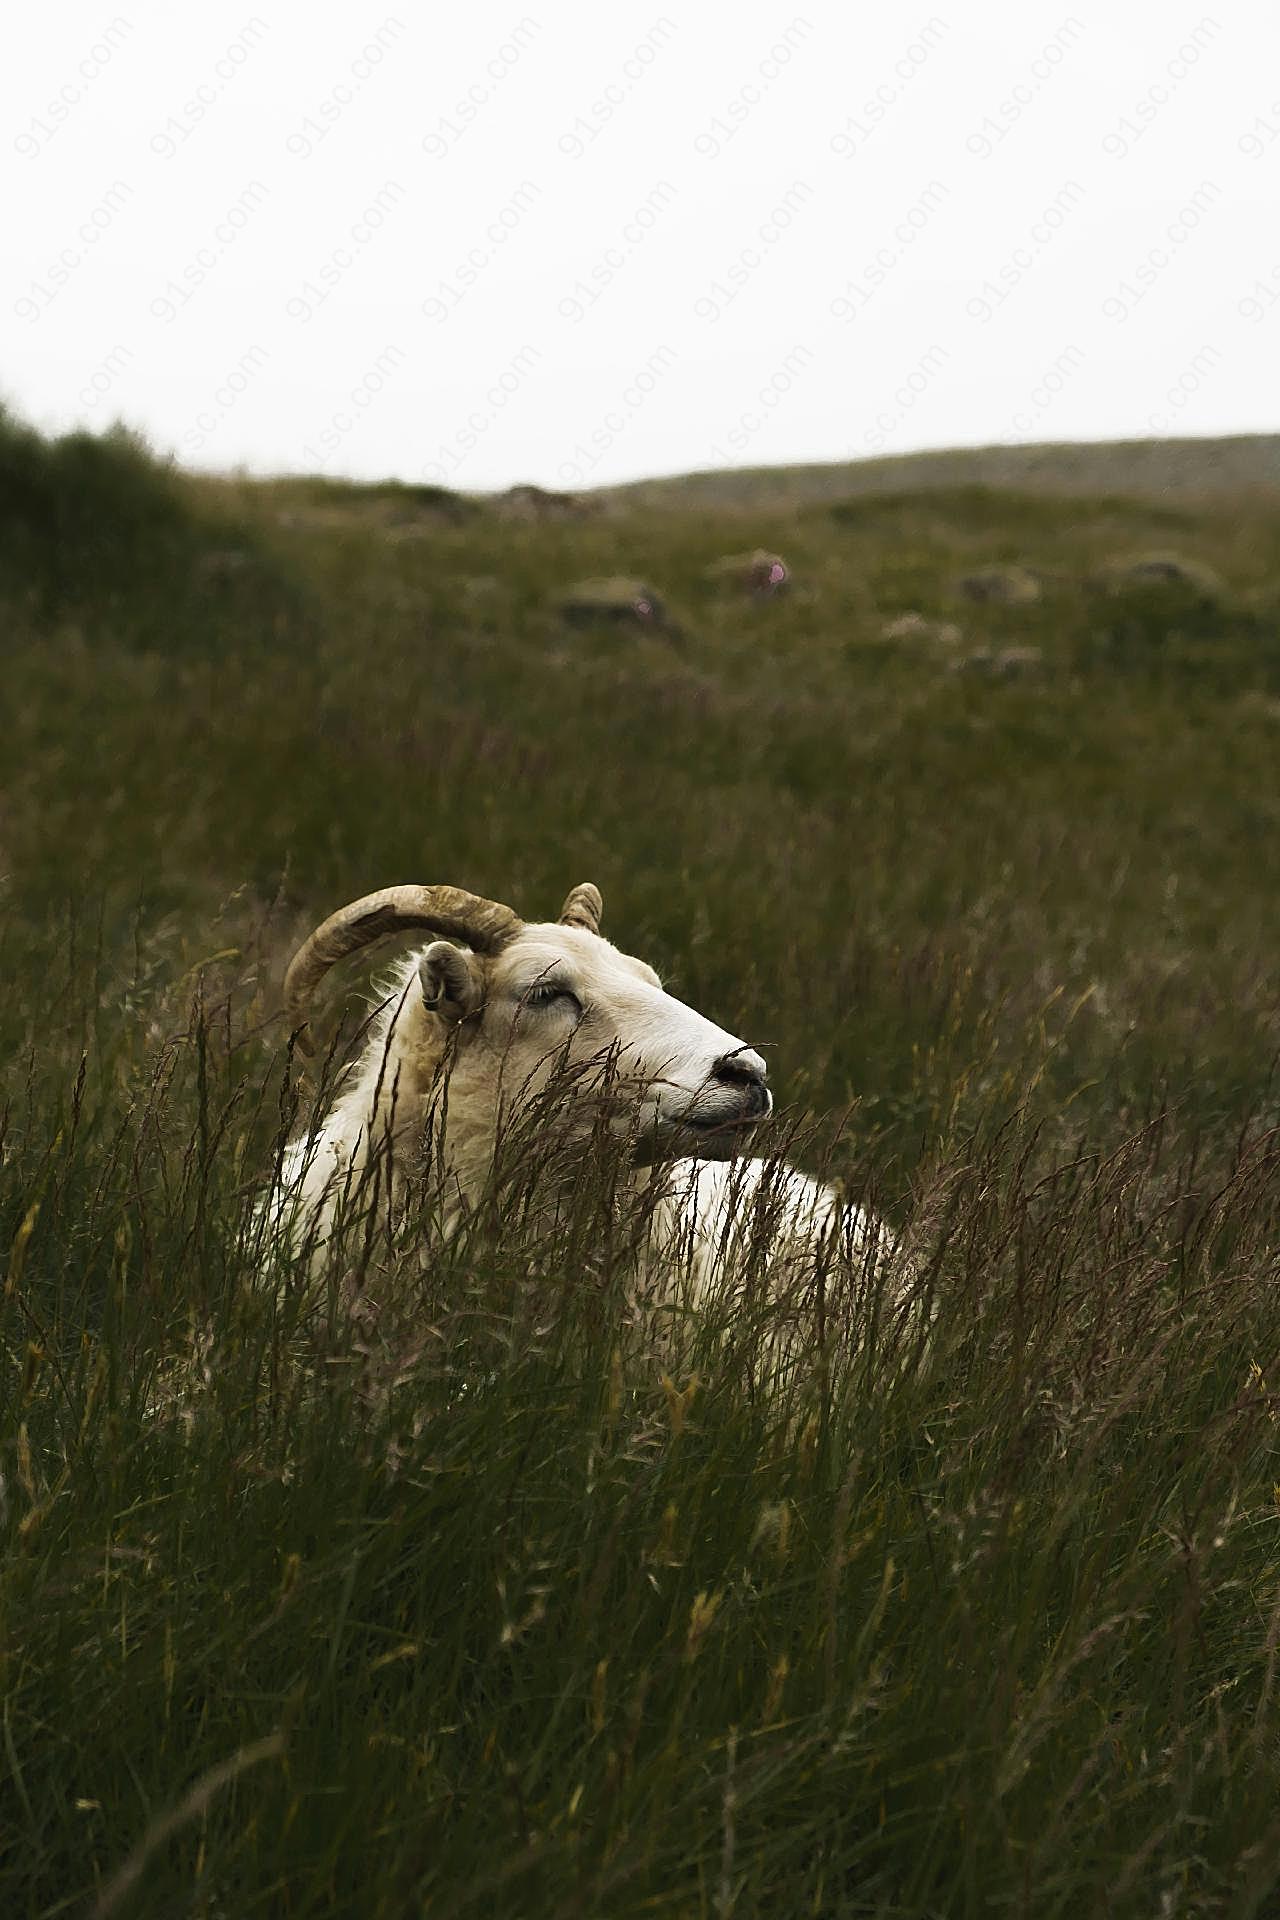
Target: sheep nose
(745,1070)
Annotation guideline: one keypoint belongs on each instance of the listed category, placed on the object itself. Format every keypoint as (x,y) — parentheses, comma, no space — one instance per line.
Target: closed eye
(550,996)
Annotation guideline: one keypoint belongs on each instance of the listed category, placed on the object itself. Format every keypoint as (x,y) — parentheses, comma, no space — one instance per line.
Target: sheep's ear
(450,981)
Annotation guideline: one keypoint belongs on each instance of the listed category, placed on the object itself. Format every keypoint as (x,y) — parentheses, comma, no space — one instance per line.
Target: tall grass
(424,1584)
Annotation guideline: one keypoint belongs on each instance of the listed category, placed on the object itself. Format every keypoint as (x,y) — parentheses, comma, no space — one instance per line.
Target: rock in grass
(1002,663)
(527,502)
(613,602)
(760,574)
(1161,570)
(1263,706)
(1000,586)
(915,626)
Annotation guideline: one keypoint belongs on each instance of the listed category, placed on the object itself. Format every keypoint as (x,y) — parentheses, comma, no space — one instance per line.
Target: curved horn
(483,925)
(583,908)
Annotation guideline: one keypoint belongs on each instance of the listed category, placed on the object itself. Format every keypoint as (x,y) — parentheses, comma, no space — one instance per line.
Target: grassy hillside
(447,1601)
(1179,469)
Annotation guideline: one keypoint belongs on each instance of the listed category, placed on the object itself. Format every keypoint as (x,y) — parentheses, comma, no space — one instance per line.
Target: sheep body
(707,1220)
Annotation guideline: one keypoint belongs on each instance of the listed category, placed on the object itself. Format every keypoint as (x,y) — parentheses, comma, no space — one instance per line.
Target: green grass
(436,1597)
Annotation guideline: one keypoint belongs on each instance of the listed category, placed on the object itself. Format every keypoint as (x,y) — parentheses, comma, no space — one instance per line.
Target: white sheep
(499,1026)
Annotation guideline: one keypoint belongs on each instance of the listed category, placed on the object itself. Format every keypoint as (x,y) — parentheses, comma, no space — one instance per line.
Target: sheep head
(519,1001)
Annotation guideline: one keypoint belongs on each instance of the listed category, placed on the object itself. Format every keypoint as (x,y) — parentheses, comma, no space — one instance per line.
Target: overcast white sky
(582,243)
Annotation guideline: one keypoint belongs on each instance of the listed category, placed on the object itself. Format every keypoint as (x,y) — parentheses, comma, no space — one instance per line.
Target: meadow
(440,1598)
